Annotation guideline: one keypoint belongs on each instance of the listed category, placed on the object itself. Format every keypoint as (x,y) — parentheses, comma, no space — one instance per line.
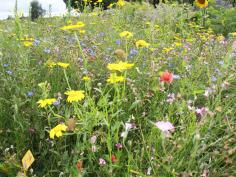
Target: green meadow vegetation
(126,92)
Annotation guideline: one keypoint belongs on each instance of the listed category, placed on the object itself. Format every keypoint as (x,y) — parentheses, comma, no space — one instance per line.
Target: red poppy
(79,165)
(166,77)
(113,158)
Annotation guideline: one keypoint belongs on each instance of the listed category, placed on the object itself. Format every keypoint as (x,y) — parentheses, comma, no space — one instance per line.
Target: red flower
(79,165)
(166,77)
(113,158)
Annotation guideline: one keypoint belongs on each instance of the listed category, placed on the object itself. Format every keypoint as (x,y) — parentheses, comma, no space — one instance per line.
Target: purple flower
(118,145)
(170,98)
(165,126)
(9,72)
(213,79)
(118,42)
(201,111)
(5,65)
(30,94)
(133,53)
(57,102)
(102,162)
(36,42)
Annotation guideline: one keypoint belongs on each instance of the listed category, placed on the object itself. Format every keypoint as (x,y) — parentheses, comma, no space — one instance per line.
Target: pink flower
(93,139)
(201,111)
(165,126)
(118,146)
(102,162)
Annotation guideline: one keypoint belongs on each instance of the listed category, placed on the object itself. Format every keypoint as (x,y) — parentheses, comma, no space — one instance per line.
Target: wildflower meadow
(129,91)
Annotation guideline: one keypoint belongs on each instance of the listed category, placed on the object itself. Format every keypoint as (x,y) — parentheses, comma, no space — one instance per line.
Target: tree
(36,10)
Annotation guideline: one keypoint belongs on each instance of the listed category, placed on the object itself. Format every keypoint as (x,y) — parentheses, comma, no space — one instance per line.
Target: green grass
(198,58)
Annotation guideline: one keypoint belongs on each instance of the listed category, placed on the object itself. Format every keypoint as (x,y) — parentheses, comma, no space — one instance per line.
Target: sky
(7,7)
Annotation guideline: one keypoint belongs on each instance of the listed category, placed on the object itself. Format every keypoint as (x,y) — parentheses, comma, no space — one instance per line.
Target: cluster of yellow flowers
(113,78)
(119,66)
(52,64)
(57,131)
(141,44)
(79,25)
(44,102)
(27,41)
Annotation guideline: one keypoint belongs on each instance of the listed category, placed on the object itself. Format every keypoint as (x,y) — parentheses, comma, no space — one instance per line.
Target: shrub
(36,10)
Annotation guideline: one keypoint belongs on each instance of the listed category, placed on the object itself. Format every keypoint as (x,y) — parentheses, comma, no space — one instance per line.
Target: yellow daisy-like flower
(86,78)
(142,43)
(63,65)
(126,34)
(43,103)
(57,131)
(28,43)
(51,63)
(75,95)
(113,78)
(73,27)
(201,3)
(120,66)
(99,1)
(120,3)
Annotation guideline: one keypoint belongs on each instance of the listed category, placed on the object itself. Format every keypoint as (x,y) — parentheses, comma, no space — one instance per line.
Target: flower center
(201,1)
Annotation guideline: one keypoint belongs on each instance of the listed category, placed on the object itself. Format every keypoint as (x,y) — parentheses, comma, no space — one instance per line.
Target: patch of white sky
(7,7)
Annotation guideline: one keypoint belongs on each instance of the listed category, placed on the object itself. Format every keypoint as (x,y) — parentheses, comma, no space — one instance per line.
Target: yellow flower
(63,65)
(113,78)
(57,131)
(110,5)
(81,31)
(177,44)
(45,102)
(142,43)
(201,3)
(74,95)
(233,34)
(120,3)
(28,43)
(120,66)
(167,50)
(99,1)
(86,78)
(73,27)
(50,63)
(126,34)
(156,27)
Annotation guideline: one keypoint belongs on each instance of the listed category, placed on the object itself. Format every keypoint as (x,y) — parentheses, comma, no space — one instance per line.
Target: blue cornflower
(30,94)
(118,42)
(9,72)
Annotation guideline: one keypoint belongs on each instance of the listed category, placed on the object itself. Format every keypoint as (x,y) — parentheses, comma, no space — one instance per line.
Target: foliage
(132,91)
(222,20)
